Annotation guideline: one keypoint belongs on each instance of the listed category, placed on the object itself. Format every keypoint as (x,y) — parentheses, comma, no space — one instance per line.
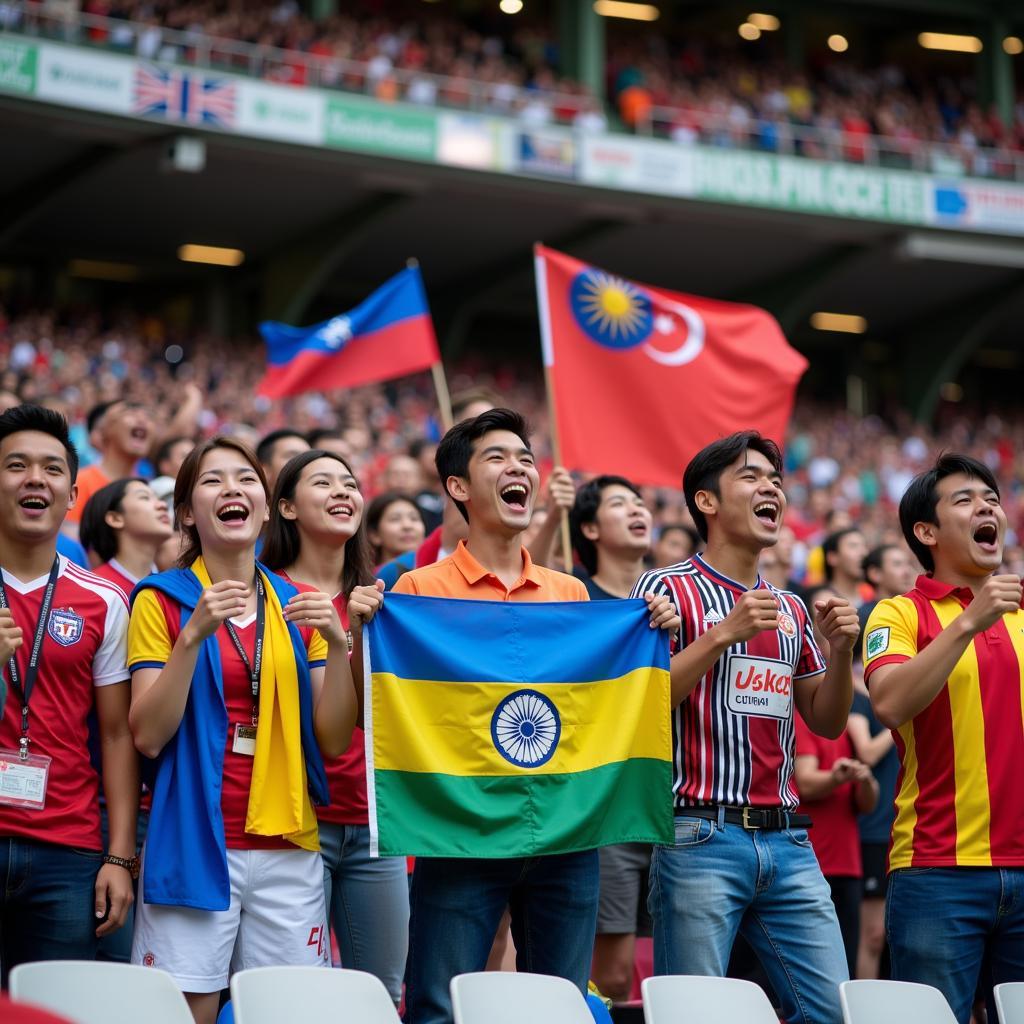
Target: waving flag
(513,730)
(643,378)
(390,334)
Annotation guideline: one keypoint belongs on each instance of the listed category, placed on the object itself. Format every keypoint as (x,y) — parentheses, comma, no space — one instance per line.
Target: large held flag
(389,334)
(513,730)
(643,378)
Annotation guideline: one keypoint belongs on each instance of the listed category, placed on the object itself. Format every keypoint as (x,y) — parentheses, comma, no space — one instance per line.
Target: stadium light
(749,31)
(846,323)
(510,6)
(838,43)
(214,255)
(1013,45)
(949,41)
(765,22)
(103,270)
(624,9)
(991,253)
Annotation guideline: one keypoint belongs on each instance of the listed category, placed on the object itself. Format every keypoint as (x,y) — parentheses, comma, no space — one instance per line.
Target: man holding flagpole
(489,471)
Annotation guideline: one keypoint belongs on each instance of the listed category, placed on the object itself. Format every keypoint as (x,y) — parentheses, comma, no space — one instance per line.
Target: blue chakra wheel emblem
(526,728)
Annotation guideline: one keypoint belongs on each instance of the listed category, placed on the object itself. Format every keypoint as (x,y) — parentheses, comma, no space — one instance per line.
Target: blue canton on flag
(190,97)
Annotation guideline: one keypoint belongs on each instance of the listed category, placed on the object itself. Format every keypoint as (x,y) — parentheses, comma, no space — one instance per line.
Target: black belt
(751,818)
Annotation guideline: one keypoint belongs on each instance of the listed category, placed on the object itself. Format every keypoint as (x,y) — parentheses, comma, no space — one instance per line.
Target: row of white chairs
(90,992)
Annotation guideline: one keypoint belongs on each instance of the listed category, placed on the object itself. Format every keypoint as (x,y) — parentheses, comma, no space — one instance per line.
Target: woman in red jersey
(316,539)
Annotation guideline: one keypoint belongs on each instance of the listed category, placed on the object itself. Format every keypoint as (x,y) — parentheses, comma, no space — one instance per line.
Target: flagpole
(444,398)
(556,445)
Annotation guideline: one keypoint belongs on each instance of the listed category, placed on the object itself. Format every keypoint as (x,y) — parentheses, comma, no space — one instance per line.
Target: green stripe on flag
(429,815)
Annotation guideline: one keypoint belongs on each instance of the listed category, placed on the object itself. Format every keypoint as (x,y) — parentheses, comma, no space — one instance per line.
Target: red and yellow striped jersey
(959,800)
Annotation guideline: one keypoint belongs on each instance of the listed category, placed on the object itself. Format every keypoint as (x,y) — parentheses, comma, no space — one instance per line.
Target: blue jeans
(47,904)
(720,880)
(367,903)
(457,905)
(941,922)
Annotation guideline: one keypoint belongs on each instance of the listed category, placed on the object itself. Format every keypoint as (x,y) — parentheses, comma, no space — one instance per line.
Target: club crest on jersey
(877,642)
(65,626)
(787,625)
(711,618)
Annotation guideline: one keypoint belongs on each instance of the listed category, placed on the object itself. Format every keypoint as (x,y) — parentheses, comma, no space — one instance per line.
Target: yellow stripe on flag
(445,728)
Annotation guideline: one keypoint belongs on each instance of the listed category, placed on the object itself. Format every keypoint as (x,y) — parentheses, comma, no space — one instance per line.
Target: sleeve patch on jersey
(877,642)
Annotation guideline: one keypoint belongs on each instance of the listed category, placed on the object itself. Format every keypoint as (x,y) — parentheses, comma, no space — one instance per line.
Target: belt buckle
(745,820)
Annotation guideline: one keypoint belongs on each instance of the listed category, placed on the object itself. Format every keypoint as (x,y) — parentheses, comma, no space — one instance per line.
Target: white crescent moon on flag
(691,347)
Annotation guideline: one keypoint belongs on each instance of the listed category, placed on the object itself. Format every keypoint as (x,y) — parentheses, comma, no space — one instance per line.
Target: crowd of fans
(686,89)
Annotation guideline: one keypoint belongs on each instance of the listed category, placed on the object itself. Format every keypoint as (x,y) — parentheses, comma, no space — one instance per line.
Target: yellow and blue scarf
(186,857)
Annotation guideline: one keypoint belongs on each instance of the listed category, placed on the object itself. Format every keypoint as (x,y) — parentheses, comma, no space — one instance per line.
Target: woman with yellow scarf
(240,686)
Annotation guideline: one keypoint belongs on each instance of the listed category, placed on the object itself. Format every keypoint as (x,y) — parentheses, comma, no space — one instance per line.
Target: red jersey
(835,836)
(237,772)
(116,573)
(346,775)
(84,646)
(733,735)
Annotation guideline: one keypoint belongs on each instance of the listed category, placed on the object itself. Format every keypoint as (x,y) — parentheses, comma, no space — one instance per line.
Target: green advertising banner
(18,63)
(377,128)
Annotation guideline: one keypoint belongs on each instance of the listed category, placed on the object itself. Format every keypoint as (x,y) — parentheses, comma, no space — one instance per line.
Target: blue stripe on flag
(416,637)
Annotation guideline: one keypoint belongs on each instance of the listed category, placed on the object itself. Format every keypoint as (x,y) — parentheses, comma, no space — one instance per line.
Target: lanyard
(254,667)
(23,688)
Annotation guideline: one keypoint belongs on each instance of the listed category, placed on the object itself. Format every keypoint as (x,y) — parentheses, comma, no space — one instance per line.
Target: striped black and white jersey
(733,736)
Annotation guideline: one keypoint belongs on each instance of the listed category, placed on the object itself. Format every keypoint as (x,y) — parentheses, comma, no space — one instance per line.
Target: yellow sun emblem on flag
(610,309)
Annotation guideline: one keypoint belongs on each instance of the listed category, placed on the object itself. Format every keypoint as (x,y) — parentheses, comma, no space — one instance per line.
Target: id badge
(245,740)
(23,779)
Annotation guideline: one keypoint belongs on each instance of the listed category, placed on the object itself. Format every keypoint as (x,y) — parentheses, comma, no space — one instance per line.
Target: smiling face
(327,503)
(399,529)
(35,486)
(142,515)
(750,505)
(501,488)
(228,505)
(622,524)
(970,529)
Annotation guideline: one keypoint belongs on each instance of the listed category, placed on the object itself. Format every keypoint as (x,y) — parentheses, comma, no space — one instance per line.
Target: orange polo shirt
(460,575)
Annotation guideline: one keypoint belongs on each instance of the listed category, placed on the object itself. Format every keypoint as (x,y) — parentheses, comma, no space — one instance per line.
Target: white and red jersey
(84,646)
(114,572)
(733,736)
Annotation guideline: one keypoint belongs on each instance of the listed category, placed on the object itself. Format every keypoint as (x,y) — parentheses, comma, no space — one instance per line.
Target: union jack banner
(185,96)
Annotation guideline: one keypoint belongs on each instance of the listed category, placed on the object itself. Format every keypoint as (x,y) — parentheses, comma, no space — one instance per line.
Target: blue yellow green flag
(506,730)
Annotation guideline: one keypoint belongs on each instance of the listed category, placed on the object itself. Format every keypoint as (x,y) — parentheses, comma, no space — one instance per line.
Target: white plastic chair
(893,1002)
(1010,1002)
(508,997)
(673,999)
(97,992)
(272,995)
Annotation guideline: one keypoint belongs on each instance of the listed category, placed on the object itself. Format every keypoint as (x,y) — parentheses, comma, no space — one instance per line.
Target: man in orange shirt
(945,668)
(489,471)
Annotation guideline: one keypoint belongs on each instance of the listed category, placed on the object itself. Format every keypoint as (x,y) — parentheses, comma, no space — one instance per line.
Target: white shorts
(277,917)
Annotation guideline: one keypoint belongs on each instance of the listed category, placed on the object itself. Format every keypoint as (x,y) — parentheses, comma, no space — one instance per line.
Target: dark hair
(704,472)
(97,412)
(921,498)
(375,512)
(191,547)
(163,450)
(42,421)
(691,533)
(95,533)
(875,558)
(266,446)
(584,510)
(456,447)
(314,437)
(283,541)
(462,400)
(830,545)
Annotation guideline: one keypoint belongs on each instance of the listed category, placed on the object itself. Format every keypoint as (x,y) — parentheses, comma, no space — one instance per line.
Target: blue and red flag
(187,96)
(643,378)
(390,334)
